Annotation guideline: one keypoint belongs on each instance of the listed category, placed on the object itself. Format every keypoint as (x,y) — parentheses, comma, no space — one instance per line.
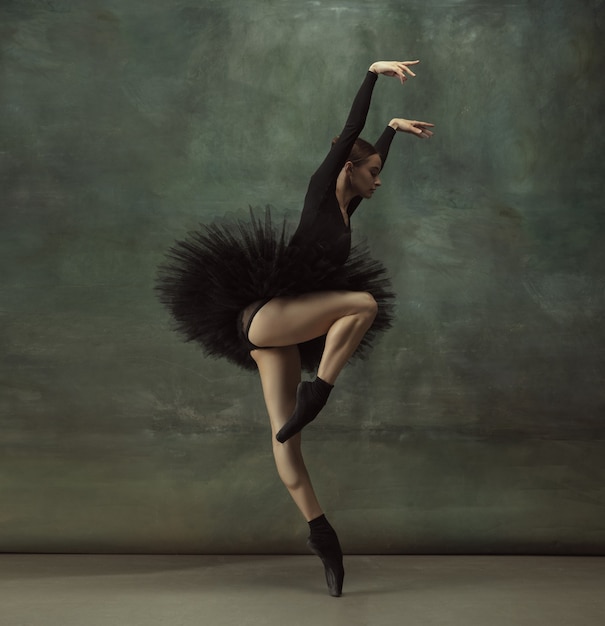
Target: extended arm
(398,124)
(336,158)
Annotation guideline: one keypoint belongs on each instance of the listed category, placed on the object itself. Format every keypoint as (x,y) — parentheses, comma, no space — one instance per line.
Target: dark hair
(362,150)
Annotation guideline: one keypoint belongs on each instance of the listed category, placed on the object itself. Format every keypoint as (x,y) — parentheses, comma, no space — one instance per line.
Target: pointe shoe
(333,567)
(311,397)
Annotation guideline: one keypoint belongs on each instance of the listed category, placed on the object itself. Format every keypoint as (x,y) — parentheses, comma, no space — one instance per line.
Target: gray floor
(81,590)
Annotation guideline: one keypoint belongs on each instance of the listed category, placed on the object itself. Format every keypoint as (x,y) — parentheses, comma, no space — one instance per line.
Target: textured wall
(477,425)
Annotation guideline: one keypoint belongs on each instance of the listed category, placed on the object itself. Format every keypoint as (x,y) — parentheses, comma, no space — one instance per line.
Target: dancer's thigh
(291,320)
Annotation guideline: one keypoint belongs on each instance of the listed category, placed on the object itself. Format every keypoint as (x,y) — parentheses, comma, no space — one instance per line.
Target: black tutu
(212,275)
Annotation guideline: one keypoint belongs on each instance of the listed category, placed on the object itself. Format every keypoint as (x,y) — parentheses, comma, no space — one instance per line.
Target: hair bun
(360,152)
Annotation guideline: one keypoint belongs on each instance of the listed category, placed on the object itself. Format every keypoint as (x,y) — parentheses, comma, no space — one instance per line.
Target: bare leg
(344,336)
(279,370)
(343,316)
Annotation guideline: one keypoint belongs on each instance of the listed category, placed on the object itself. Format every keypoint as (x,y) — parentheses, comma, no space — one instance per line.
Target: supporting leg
(279,370)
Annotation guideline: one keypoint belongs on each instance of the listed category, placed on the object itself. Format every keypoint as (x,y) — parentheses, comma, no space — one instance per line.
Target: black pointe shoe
(333,567)
(305,412)
(310,399)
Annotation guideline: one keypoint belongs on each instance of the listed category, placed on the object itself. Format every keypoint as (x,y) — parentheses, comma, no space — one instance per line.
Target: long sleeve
(330,168)
(384,143)
(321,222)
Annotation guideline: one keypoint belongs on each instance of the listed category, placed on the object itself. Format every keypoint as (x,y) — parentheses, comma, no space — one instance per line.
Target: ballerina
(311,303)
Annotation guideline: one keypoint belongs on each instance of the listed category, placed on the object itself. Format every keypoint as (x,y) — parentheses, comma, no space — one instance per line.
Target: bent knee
(367,305)
(289,462)
(292,482)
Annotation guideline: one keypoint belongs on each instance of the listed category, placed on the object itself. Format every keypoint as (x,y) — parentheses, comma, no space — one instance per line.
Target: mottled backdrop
(478,423)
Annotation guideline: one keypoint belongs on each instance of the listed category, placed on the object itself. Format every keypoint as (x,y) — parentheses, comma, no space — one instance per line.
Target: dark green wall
(478,423)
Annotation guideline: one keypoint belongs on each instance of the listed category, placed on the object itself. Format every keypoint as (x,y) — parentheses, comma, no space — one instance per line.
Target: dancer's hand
(394,68)
(414,127)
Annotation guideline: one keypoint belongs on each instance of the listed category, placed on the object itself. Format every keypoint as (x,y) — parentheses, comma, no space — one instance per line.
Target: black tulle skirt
(209,277)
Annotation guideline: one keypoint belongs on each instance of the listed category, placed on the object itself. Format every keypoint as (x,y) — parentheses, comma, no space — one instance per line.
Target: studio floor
(93,590)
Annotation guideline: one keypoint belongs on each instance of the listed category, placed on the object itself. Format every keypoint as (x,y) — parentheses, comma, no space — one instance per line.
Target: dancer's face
(365,177)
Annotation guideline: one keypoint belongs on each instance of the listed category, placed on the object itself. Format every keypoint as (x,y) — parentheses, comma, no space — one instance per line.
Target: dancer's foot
(323,542)
(310,399)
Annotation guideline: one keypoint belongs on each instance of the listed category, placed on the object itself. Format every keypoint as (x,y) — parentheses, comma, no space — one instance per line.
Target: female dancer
(290,325)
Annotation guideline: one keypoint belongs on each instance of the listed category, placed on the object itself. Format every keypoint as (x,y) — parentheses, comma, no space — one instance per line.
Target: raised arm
(422,130)
(336,158)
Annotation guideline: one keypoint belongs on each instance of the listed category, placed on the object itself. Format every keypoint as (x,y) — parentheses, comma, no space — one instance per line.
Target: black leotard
(321,220)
